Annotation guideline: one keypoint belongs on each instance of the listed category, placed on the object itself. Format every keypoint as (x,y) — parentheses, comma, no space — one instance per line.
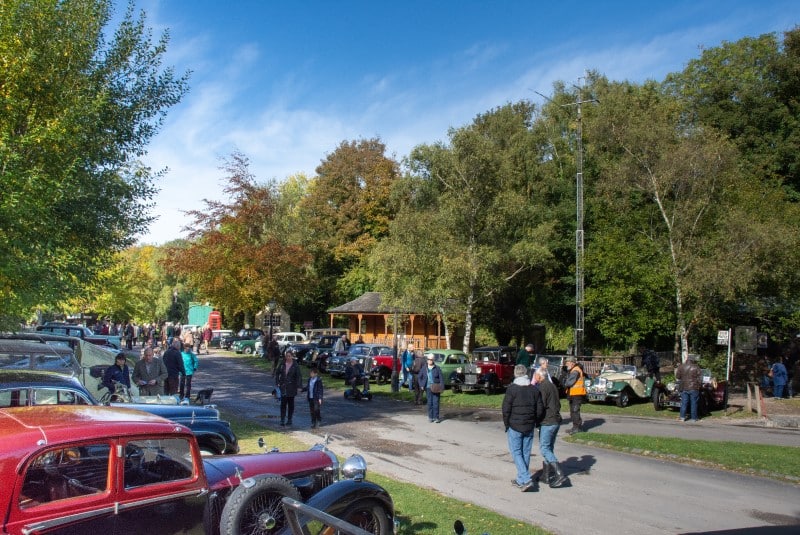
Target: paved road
(466,457)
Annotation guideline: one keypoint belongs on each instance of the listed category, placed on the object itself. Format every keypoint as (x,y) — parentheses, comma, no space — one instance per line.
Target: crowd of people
(167,362)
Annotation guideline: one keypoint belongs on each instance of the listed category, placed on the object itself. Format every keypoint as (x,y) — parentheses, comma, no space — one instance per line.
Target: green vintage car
(248,347)
(620,384)
(452,363)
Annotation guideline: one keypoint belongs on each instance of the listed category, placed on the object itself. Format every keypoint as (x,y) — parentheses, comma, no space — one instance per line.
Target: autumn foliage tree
(236,257)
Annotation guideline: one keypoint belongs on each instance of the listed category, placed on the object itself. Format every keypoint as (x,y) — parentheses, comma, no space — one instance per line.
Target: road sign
(722,338)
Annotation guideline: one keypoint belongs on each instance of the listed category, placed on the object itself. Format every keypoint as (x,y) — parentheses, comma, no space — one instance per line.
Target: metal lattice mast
(579,322)
(579,318)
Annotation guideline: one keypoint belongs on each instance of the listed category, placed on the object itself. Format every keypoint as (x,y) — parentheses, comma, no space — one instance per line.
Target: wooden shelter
(374,322)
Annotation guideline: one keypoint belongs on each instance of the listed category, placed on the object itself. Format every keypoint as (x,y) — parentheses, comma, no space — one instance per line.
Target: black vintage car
(21,388)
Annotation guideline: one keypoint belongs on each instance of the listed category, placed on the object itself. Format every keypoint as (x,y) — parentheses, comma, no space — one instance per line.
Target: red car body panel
(28,434)
(223,471)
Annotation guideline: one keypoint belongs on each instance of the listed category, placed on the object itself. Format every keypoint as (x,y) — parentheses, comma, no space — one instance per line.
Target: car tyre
(624,399)
(255,506)
(368,515)
(659,399)
(248,350)
(383,377)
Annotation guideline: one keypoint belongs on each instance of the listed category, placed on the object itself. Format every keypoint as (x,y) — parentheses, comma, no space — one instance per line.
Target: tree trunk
(468,321)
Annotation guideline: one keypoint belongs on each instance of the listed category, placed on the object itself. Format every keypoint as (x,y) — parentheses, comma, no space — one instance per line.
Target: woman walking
(431,380)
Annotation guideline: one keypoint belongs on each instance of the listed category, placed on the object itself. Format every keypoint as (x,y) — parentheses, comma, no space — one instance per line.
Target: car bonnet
(226,471)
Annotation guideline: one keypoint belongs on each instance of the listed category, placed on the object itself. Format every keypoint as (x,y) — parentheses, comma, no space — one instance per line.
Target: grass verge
(749,459)
(418,509)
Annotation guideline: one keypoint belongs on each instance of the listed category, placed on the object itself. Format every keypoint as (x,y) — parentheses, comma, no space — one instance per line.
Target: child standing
(189,365)
(315,392)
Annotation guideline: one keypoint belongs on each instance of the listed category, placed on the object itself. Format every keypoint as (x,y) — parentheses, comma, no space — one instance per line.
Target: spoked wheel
(659,399)
(624,399)
(255,507)
(368,515)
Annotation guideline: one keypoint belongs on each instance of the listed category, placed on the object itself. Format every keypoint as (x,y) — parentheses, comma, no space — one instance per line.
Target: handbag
(437,388)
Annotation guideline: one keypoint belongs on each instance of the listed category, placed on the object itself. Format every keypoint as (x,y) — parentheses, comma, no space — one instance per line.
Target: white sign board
(722,338)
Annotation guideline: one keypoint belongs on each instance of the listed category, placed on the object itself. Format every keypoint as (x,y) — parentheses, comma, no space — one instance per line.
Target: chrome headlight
(671,387)
(355,467)
(478,369)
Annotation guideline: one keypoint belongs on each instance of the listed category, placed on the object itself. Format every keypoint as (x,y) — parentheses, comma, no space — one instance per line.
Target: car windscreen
(21,354)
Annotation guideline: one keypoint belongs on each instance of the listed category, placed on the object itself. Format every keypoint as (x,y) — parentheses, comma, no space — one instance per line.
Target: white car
(286,338)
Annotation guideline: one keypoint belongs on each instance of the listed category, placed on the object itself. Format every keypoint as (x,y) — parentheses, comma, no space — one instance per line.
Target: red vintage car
(491,370)
(379,367)
(104,470)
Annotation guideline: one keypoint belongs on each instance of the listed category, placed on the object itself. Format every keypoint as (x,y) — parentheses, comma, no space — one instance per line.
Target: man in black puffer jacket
(519,417)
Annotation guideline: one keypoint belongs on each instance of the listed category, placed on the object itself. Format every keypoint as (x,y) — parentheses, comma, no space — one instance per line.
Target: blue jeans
(777,390)
(520,444)
(547,440)
(689,396)
(433,404)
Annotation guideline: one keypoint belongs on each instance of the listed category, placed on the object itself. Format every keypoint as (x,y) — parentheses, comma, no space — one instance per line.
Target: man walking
(576,391)
(519,418)
(407,362)
(690,377)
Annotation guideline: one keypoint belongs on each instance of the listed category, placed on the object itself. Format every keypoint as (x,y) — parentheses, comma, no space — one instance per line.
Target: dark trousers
(171,385)
(287,404)
(314,408)
(185,387)
(417,390)
(575,410)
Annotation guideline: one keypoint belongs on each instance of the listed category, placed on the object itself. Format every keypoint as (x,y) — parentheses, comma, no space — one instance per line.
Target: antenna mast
(579,318)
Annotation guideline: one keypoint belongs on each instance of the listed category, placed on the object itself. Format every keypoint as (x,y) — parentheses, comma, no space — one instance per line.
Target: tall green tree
(748,90)
(78,110)
(477,200)
(699,221)
(346,212)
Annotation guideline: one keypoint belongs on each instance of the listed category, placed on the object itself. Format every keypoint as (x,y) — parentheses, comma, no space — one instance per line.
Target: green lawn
(775,462)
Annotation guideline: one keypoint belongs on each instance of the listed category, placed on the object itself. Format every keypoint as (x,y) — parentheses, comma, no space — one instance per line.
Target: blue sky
(285,82)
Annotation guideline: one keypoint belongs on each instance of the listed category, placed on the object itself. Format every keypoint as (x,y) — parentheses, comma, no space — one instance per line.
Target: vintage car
(323,349)
(29,388)
(248,347)
(491,370)
(713,395)
(106,470)
(556,368)
(379,367)
(619,383)
(216,337)
(337,364)
(243,334)
(79,331)
(453,364)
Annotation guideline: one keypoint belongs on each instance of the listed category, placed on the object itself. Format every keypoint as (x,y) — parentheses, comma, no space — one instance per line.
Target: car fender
(218,435)
(335,499)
